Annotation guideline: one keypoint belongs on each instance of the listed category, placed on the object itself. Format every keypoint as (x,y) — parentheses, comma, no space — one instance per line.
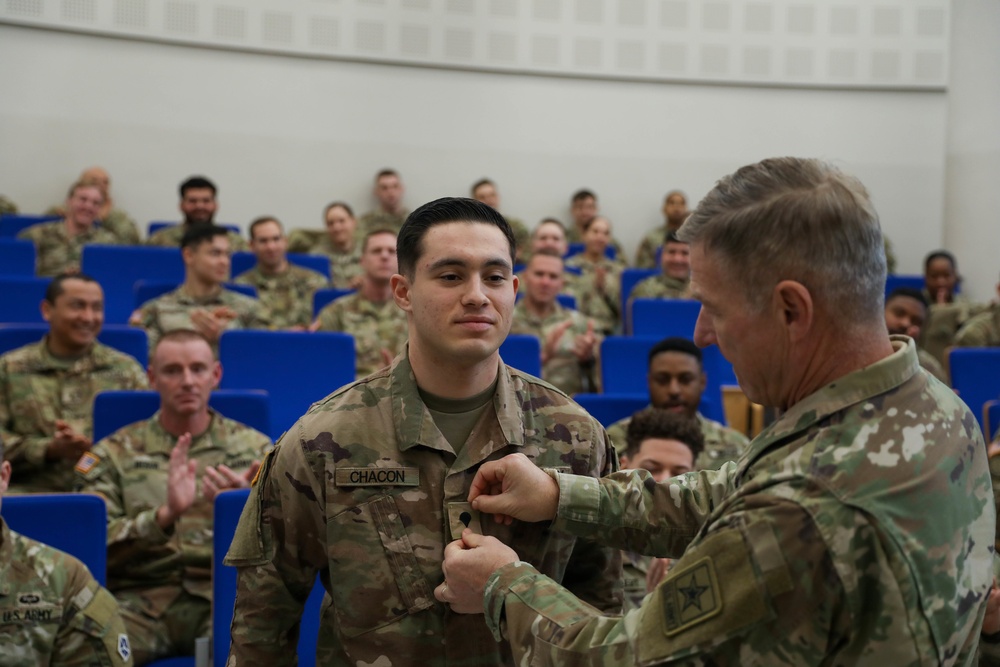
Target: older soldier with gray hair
(367,488)
(856,530)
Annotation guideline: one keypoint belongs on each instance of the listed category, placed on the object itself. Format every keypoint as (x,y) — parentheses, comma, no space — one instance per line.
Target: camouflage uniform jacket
(52,611)
(130,473)
(562,369)
(722,443)
(173,311)
(365,491)
(522,237)
(170,237)
(660,287)
(601,305)
(932,365)
(634,569)
(983,330)
(59,252)
(37,388)
(344,266)
(379,219)
(857,530)
(118,222)
(288,296)
(645,255)
(375,326)
(944,320)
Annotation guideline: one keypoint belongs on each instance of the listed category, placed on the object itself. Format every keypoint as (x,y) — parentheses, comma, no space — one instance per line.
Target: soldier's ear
(46,309)
(401,291)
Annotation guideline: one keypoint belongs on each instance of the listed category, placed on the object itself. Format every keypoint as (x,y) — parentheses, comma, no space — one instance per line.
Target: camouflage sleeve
(974,333)
(593,572)
(94,633)
(747,593)
(129,537)
(627,511)
(256,317)
(645,256)
(278,549)
(23,451)
(149,320)
(329,318)
(134,377)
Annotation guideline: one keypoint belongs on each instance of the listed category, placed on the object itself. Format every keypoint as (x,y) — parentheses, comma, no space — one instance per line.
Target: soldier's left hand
(468,564)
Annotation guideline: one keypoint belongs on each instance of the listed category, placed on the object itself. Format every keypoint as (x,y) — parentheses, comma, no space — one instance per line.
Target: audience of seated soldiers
(485,191)
(202,302)
(583,208)
(284,290)
(59,244)
(949,309)
(370,314)
(677,380)
(905,314)
(110,219)
(198,204)
(159,478)
(598,287)
(568,339)
(47,388)
(674,278)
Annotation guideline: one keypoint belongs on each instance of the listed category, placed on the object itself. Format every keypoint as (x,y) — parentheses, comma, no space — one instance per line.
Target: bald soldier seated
(159,478)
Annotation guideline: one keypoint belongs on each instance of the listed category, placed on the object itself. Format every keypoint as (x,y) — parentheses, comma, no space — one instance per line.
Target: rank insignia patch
(690,597)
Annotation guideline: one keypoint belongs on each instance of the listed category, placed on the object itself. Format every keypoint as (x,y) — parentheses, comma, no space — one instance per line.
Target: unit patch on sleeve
(691,597)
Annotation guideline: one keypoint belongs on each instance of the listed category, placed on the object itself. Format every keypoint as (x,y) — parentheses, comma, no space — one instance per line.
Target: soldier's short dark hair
(582,194)
(382,173)
(338,204)
(375,232)
(447,209)
(197,183)
(910,293)
(671,237)
(56,288)
(195,235)
(659,423)
(675,344)
(265,219)
(940,254)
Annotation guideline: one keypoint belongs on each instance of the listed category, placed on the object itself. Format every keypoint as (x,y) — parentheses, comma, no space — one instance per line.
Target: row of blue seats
(11,224)
(77,524)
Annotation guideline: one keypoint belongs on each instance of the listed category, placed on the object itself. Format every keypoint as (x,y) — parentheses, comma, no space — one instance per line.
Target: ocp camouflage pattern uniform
(344,266)
(380,219)
(170,237)
(287,296)
(660,287)
(163,580)
(173,311)
(601,305)
(562,369)
(944,320)
(522,236)
(634,569)
(36,389)
(7,207)
(989,648)
(375,326)
(857,530)
(366,491)
(982,330)
(932,365)
(58,252)
(118,222)
(52,610)
(722,444)
(645,256)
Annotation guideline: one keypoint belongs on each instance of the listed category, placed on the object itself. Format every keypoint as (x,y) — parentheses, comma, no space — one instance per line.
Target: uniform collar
(851,389)
(6,557)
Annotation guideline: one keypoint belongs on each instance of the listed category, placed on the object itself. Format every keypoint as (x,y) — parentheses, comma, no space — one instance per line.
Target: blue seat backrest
(665,317)
(17,257)
(21,298)
(76,523)
(609,408)
(630,278)
(118,268)
(975,376)
(324,296)
(523,352)
(12,224)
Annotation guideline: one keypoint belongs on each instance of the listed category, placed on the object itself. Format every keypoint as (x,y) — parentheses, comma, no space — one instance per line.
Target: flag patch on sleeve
(87,463)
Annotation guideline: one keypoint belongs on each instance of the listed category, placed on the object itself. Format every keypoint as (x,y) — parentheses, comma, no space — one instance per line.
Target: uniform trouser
(171,633)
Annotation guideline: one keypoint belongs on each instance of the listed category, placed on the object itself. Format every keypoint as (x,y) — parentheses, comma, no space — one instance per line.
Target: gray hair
(796,219)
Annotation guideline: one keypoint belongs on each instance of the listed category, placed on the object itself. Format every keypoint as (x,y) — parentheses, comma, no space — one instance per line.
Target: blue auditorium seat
(325,295)
(76,523)
(893,281)
(17,257)
(228,508)
(11,224)
(629,279)
(664,317)
(295,368)
(118,268)
(156,225)
(115,409)
(975,376)
(21,298)
(609,408)
(523,352)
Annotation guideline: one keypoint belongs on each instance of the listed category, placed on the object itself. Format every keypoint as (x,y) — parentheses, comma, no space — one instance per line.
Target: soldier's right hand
(66,443)
(182,484)
(514,488)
